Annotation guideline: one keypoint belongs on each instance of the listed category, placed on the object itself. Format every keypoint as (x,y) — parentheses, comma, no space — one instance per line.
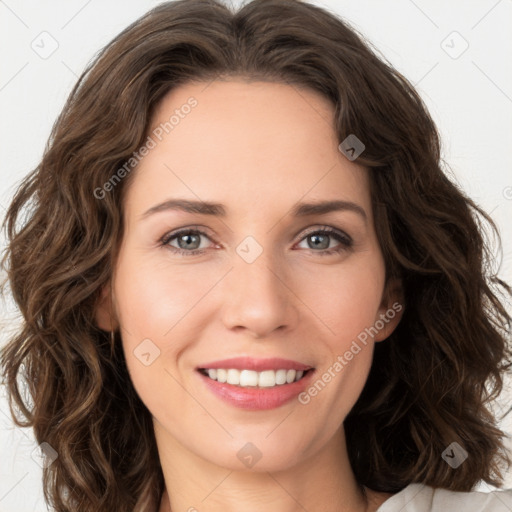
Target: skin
(258,148)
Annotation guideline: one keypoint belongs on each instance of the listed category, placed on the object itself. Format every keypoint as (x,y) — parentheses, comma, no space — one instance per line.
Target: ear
(104,314)
(390,311)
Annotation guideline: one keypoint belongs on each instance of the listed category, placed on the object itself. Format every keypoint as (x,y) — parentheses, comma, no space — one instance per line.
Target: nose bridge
(259,298)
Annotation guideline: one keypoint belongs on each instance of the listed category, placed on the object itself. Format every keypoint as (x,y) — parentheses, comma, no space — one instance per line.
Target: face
(261,280)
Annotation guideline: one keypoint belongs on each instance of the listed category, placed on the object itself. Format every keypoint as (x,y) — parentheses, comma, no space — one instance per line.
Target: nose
(258,297)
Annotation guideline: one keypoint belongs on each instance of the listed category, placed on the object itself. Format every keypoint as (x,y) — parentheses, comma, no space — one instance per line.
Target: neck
(323,482)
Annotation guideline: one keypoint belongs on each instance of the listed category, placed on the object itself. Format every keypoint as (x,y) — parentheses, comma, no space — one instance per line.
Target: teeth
(250,378)
(247,378)
(281,376)
(222,375)
(233,377)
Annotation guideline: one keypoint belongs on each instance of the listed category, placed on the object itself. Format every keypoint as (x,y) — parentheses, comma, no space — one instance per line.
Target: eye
(321,240)
(189,241)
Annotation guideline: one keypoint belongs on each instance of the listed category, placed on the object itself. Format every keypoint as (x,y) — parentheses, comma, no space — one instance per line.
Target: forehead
(249,143)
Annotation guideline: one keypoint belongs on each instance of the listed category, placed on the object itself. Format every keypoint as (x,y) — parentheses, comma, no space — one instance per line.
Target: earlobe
(104,311)
(391,310)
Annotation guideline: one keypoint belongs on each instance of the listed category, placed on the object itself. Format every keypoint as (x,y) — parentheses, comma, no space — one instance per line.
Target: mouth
(256,384)
(254,390)
(253,379)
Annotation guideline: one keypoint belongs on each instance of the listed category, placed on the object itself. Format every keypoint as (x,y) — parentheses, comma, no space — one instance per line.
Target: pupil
(183,237)
(323,245)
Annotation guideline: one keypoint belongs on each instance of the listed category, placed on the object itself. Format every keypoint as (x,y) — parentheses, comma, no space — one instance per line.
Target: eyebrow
(218,210)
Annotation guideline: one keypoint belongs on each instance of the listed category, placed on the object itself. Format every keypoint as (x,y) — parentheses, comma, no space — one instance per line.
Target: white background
(469,97)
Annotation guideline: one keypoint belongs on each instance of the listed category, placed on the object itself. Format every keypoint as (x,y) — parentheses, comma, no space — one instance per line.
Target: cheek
(344,300)
(154,300)
(347,302)
(154,305)
(161,312)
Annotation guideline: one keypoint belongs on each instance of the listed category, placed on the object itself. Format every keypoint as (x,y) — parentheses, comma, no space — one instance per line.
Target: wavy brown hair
(431,382)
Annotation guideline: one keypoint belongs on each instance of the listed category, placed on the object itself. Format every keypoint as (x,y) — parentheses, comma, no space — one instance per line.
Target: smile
(244,394)
(251,378)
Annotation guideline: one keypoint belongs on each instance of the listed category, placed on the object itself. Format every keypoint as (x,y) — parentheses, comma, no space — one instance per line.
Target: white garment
(422,498)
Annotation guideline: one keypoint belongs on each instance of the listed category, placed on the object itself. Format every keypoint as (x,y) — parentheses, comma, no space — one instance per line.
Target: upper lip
(249,363)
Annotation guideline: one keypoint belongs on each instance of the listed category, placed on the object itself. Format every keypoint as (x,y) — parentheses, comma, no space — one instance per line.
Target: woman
(247,284)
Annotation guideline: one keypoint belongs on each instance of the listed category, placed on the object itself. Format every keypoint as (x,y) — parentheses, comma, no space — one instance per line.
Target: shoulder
(422,498)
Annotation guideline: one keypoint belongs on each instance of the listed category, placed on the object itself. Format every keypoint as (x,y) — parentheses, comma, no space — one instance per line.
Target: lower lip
(257,399)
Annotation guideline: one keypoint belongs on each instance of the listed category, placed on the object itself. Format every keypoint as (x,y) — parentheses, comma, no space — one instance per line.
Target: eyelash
(345,241)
